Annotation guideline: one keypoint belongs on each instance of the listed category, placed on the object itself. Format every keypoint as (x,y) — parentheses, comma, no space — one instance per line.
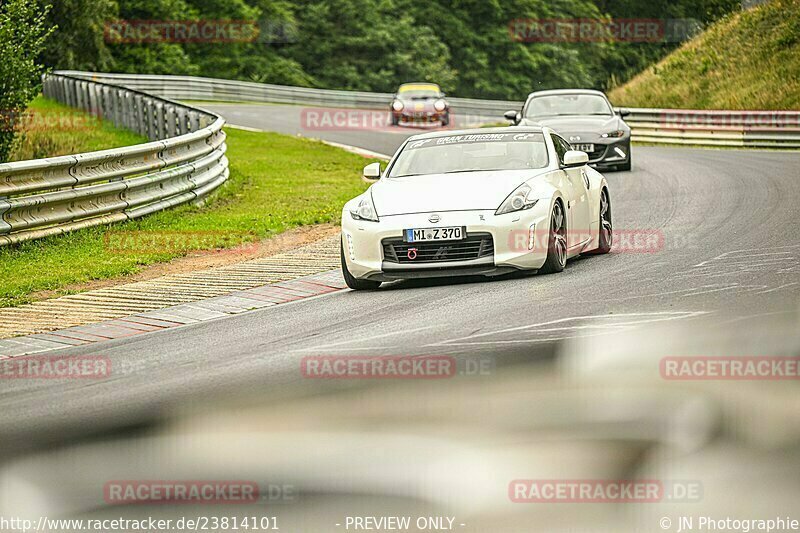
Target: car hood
(447,192)
(588,127)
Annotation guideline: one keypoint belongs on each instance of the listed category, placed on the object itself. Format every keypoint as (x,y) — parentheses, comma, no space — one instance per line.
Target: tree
(79,41)
(23,31)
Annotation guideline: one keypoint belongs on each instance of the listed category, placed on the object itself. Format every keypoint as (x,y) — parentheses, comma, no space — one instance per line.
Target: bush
(22,36)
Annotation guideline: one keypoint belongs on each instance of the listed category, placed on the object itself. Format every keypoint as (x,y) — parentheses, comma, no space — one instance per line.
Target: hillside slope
(749,60)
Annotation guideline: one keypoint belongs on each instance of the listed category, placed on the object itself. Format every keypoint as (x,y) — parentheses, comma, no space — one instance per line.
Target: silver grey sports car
(586,119)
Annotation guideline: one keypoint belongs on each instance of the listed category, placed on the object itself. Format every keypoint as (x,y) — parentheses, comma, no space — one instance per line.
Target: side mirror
(624,112)
(513,116)
(574,158)
(372,172)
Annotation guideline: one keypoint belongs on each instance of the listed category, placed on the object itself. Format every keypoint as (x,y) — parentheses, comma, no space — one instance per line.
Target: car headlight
(397,105)
(615,133)
(365,209)
(517,200)
(440,105)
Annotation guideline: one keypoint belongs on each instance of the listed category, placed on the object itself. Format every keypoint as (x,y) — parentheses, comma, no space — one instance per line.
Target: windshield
(467,153)
(415,92)
(568,104)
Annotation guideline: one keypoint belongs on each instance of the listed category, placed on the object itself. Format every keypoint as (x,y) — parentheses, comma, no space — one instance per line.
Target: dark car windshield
(568,104)
(467,153)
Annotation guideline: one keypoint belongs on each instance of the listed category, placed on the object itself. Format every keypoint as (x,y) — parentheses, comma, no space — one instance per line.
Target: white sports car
(475,202)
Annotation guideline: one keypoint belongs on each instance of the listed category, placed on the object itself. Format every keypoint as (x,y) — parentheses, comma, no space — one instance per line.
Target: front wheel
(557,242)
(446,120)
(624,166)
(352,281)
(606,237)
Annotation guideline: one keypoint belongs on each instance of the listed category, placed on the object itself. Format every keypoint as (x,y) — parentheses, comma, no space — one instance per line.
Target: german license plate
(454,233)
(583,147)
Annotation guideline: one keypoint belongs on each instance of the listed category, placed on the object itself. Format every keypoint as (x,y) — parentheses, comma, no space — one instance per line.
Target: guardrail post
(113,101)
(149,112)
(127,101)
(103,101)
(183,127)
(81,95)
(160,121)
(141,128)
(170,118)
(70,89)
(194,121)
(93,99)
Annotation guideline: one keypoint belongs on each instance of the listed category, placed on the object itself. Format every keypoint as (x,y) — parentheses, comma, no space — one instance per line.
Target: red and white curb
(178,315)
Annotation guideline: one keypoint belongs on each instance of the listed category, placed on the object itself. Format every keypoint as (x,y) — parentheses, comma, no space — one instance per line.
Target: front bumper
(610,154)
(363,243)
(420,117)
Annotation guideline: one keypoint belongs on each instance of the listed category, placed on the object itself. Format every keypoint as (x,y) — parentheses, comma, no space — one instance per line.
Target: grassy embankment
(277,182)
(748,60)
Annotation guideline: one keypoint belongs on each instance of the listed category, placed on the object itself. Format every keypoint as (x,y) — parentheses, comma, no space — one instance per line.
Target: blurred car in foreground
(586,119)
(475,202)
(420,103)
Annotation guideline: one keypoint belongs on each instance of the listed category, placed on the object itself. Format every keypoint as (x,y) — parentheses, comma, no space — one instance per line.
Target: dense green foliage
(465,45)
(22,35)
(750,60)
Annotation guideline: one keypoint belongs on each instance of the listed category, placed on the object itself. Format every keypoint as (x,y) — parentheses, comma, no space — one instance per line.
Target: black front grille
(474,246)
(599,151)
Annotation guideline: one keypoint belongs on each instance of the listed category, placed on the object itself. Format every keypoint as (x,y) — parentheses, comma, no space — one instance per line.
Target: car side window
(560,150)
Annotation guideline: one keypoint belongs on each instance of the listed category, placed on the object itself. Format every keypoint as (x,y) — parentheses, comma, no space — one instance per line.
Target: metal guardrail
(760,129)
(184,161)
(744,129)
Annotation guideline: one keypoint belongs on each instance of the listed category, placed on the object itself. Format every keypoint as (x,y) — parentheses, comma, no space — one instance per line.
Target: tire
(624,166)
(556,242)
(353,282)
(606,237)
(446,120)
(395,120)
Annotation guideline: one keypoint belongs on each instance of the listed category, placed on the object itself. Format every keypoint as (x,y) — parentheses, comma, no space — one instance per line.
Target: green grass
(277,182)
(54,129)
(748,60)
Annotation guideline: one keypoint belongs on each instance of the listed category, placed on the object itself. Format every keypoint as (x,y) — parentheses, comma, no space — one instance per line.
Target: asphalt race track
(730,253)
